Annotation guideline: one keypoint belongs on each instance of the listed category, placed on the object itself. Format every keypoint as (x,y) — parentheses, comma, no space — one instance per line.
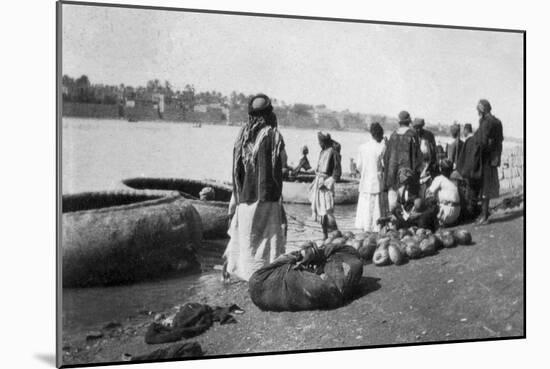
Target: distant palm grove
(161,101)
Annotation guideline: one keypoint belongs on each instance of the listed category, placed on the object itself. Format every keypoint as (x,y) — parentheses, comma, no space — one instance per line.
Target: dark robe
(431,156)
(489,137)
(469,160)
(402,151)
(453,150)
(262,178)
(330,163)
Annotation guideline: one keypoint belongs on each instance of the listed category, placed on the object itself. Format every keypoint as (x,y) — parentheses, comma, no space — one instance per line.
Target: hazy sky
(437,74)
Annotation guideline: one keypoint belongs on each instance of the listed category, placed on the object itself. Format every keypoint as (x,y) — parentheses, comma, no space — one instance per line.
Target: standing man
(489,136)
(370,167)
(454,148)
(468,131)
(257,229)
(329,170)
(429,154)
(402,151)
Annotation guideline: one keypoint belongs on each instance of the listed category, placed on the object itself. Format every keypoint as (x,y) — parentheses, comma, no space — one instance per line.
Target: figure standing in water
(329,170)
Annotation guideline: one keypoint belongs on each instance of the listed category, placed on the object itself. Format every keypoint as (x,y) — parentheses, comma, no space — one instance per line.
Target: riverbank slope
(468,292)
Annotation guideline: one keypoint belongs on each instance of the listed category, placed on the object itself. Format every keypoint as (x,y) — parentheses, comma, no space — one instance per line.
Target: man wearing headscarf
(258,222)
(489,136)
(454,148)
(402,151)
(329,170)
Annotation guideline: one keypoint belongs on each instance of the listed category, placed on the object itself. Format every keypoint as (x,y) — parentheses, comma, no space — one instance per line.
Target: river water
(98,154)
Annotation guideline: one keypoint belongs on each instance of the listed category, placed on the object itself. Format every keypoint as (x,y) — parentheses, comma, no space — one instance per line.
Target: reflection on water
(91,308)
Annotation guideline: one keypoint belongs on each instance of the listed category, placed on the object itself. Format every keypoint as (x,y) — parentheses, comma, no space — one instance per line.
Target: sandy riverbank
(462,293)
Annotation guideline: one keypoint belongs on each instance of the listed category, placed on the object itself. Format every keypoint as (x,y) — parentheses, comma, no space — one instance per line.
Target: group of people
(403,181)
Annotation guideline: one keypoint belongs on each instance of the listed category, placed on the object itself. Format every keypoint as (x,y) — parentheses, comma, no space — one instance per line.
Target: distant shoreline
(515,140)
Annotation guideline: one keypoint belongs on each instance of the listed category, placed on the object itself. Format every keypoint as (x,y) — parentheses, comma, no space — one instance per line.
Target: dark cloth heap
(192,320)
(178,351)
(257,164)
(327,283)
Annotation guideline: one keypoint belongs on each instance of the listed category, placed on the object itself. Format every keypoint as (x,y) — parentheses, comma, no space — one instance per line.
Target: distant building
(200,108)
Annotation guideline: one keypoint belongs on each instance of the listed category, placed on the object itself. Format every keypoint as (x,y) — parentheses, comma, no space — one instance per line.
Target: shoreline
(431,299)
(513,141)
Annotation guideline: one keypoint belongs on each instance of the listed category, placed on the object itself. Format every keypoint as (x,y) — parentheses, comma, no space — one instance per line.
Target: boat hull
(213,214)
(345,192)
(143,238)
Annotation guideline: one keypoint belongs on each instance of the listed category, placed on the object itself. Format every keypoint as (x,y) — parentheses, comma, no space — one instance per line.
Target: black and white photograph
(235,184)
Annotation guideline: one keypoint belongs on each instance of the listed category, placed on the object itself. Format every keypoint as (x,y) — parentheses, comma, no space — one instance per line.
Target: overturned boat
(297,190)
(213,211)
(111,238)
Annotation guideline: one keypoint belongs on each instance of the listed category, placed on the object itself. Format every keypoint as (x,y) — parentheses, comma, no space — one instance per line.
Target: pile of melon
(396,246)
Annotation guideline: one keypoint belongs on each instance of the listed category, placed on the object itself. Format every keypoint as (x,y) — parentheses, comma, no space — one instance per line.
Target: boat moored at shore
(213,212)
(111,238)
(297,190)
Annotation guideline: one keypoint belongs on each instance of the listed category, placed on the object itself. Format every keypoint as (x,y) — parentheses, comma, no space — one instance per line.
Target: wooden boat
(113,238)
(297,190)
(213,213)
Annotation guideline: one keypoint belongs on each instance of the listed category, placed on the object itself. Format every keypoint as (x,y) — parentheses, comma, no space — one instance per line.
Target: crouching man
(447,195)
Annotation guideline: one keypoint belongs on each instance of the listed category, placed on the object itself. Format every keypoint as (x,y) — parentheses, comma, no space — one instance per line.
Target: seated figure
(447,195)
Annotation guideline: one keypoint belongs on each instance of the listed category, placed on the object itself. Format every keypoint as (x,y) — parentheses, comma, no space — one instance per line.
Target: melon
(381,256)
(413,251)
(395,254)
(428,245)
(463,237)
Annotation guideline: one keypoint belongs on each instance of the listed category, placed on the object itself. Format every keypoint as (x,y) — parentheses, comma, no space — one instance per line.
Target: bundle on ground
(286,285)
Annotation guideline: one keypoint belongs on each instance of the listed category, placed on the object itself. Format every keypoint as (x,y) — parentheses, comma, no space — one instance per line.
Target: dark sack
(280,287)
(344,267)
